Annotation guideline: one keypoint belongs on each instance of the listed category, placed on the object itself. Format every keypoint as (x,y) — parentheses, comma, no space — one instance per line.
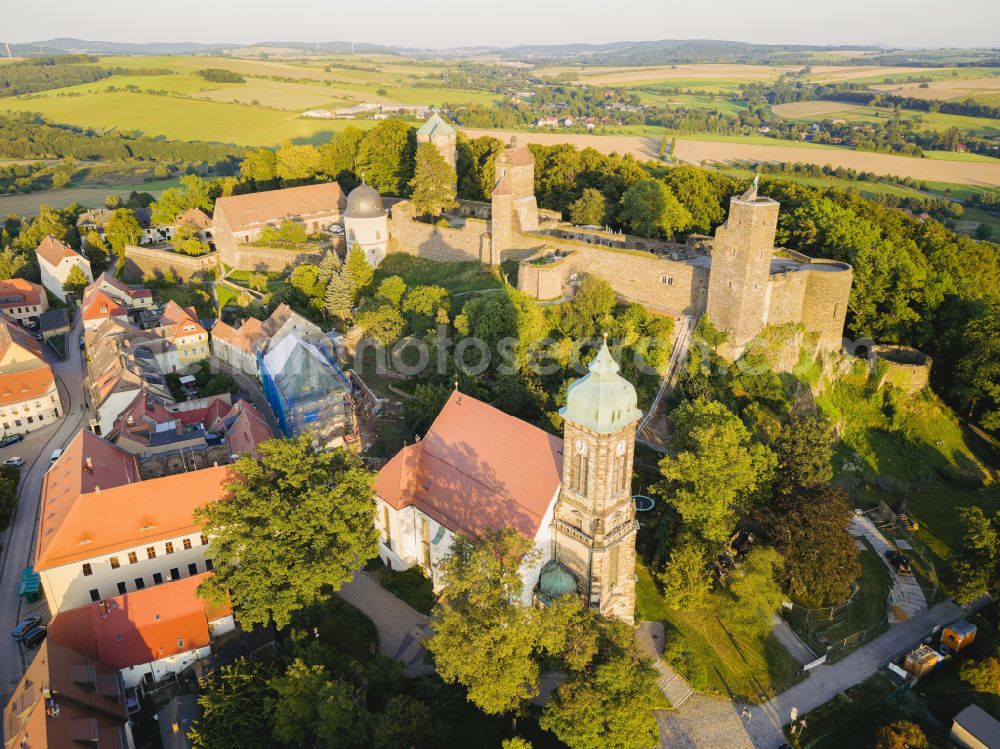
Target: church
(479,469)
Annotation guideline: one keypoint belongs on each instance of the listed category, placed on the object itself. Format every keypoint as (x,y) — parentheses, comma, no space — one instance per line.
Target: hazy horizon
(443,24)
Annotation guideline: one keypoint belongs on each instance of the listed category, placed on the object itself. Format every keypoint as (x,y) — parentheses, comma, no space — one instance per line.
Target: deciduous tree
(123,228)
(433,183)
(75,280)
(589,208)
(295,526)
(231,705)
(686,578)
(385,156)
(391,290)
(901,734)
(650,209)
(754,590)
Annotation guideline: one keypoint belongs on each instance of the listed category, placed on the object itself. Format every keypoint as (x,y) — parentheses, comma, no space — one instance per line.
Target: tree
(422,305)
(481,639)
(231,705)
(982,675)
(186,240)
(699,194)
(122,228)
(96,250)
(391,290)
(433,183)
(259,166)
(257,282)
(404,723)
(76,281)
(610,704)
(804,451)
(516,743)
(309,708)
(979,368)
(810,530)
(589,310)
(384,323)
(339,157)
(686,579)
(714,469)
(329,265)
(902,734)
(339,296)
(11,263)
(294,527)
(589,209)
(357,271)
(420,411)
(385,156)
(650,209)
(297,162)
(976,563)
(754,590)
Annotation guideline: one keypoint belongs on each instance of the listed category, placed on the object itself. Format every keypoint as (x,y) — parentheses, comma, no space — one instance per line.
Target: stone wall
(469,242)
(903,367)
(149,261)
(272,259)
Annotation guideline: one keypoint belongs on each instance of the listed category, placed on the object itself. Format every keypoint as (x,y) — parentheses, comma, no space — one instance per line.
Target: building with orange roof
(479,469)
(55,261)
(157,630)
(240,219)
(187,339)
(129,296)
(98,306)
(22,300)
(238,347)
(67,699)
(29,398)
(102,531)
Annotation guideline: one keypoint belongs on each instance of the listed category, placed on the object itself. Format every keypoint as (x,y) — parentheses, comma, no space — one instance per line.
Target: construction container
(959,635)
(922,660)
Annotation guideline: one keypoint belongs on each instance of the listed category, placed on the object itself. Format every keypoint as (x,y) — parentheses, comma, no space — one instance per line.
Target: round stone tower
(366,224)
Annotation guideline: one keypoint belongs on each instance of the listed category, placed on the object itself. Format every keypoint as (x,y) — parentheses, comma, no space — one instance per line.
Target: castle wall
(248,257)
(469,242)
(148,261)
(824,308)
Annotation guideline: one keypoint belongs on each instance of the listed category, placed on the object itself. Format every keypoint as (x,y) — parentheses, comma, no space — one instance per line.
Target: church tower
(594,525)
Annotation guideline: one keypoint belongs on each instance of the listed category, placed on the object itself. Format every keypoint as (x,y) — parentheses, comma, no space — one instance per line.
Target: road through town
(19,540)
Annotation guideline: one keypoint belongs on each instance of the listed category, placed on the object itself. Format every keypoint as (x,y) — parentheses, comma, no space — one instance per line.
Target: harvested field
(696,151)
(953,89)
(836,73)
(809,108)
(89,197)
(719,72)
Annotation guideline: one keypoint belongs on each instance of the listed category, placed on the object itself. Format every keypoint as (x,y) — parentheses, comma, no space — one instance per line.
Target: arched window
(619,475)
(578,474)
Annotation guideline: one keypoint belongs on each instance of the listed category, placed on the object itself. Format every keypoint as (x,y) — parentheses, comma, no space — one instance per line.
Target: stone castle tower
(513,204)
(594,525)
(442,135)
(738,287)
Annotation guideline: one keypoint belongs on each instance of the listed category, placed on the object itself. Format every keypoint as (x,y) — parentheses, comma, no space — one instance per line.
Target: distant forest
(46,73)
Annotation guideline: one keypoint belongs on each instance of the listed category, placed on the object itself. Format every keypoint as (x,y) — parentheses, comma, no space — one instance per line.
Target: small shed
(974,728)
(959,635)
(54,322)
(30,585)
(922,660)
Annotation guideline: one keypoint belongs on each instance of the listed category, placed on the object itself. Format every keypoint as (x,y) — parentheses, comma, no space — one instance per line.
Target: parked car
(11,440)
(23,626)
(56,454)
(34,636)
(14,462)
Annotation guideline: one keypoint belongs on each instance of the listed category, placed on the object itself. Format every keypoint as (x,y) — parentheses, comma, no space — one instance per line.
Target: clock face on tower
(581,447)
(620,448)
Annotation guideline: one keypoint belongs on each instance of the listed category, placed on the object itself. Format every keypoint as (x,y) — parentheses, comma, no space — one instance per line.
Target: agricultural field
(27,205)
(826,110)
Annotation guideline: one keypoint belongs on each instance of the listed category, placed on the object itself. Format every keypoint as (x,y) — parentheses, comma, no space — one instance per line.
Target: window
(95,594)
(133,557)
(612,576)
(618,475)
(578,474)
(204,540)
(193,568)
(175,573)
(151,552)
(187,543)
(180,642)
(140,583)
(122,589)
(87,570)
(31,420)
(386,533)
(668,280)
(425,533)
(169,547)
(209,564)
(157,578)
(115,564)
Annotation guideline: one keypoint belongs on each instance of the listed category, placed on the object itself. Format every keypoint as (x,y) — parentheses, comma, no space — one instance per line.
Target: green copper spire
(602,400)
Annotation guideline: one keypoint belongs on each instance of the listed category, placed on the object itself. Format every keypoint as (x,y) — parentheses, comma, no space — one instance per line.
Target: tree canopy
(433,183)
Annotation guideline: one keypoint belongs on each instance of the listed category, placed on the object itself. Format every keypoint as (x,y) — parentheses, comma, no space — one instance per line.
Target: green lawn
(457,277)
(188,295)
(713,658)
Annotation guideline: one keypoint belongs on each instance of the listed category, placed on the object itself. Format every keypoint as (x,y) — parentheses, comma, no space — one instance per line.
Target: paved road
(19,539)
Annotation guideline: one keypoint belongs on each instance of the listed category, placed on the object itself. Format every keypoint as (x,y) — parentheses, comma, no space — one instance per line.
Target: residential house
(104,532)
(188,340)
(308,392)
(240,219)
(238,347)
(53,323)
(67,699)
(128,296)
(97,307)
(476,469)
(147,634)
(22,300)
(29,399)
(55,261)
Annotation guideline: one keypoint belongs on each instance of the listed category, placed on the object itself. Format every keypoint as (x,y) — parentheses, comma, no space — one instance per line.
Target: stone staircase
(906,597)
(649,635)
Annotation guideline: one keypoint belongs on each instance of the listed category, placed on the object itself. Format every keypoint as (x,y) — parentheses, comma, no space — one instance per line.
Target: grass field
(89,197)
(713,658)
(456,277)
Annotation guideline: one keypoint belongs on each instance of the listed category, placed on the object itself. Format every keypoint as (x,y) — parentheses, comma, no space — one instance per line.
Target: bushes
(9,476)
(411,586)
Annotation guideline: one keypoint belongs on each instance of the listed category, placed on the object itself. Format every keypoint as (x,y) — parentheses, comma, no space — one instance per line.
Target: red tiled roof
(87,512)
(12,334)
(196,217)
(104,278)
(97,305)
(519,156)
(477,469)
(21,386)
(502,187)
(248,431)
(53,250)
(19,292)
(244,338)
(240,212)
(140,627)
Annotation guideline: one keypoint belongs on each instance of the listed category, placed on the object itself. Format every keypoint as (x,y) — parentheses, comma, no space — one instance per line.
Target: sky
(455,23)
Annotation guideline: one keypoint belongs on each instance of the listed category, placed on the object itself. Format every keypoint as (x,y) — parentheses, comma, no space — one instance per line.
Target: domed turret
(364,202)
(554,581)
(602,400)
